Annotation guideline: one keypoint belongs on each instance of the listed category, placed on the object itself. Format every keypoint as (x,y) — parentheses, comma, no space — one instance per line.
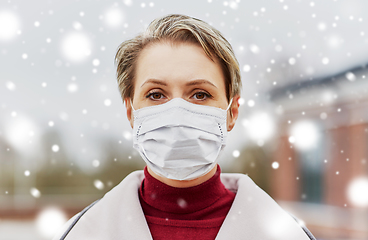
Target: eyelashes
(198,95)
(155,95)
(201,95)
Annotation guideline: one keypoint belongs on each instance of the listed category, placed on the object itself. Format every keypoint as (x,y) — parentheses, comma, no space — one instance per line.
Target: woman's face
(182,70)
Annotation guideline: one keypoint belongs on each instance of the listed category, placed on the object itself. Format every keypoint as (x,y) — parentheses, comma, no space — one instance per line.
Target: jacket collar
(253,215)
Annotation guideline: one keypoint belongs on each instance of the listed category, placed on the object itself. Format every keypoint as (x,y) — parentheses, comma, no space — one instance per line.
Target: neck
(184,183)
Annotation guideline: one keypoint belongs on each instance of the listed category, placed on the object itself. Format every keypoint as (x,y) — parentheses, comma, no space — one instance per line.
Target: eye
(155,95)
(201,95)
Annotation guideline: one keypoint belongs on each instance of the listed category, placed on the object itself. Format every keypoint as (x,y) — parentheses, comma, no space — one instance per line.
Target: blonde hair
(178,28)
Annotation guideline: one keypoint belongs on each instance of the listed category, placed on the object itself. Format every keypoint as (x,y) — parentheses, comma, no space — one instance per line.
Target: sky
(58,72)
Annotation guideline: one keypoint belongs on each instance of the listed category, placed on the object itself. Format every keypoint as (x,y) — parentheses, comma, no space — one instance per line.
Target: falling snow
(76,46)
(96,163)
(114,17)
(350,76)
(325,60)
(236,154)
(107,102)
(98,184)
(292,61)
(254,49)
(275,165)
(358,192)
(246,68)
(10,85)
(298,60)
(182,203)
(304,134)
(9,25)
(72,87)
(259,126)
(35,192)
(49,221)
(96,62)
(55,148)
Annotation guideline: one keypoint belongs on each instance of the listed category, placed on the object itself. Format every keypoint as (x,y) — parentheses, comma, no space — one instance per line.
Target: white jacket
(118,215)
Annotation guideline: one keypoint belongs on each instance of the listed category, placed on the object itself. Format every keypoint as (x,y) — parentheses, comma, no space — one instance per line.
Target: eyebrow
(155,81)
(199,82)
(191,83)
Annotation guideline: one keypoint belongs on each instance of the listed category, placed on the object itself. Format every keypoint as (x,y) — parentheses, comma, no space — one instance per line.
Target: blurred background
(302,134)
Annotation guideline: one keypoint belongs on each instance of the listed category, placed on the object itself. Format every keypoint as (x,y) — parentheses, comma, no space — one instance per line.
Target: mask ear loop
(228,107)
(131,104)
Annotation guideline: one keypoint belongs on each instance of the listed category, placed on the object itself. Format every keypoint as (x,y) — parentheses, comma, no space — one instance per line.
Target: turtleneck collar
(181,200)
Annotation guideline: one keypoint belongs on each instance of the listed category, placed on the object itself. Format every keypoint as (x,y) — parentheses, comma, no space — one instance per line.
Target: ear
(233,113)
(129,111)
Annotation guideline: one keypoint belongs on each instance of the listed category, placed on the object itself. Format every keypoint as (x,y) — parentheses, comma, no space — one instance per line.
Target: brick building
(319,177)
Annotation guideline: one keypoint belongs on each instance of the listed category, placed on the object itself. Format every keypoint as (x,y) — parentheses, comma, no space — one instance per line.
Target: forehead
(177,61)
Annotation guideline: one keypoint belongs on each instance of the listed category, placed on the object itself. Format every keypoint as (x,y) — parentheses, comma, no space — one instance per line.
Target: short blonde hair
(178,28)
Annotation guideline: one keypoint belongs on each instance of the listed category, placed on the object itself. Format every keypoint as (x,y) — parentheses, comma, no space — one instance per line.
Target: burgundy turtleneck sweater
(185,213)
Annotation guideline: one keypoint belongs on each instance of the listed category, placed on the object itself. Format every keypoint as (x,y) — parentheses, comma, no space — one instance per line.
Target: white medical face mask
(180,140)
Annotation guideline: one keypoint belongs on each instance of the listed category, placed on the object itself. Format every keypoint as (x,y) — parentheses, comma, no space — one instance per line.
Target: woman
(180,83)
